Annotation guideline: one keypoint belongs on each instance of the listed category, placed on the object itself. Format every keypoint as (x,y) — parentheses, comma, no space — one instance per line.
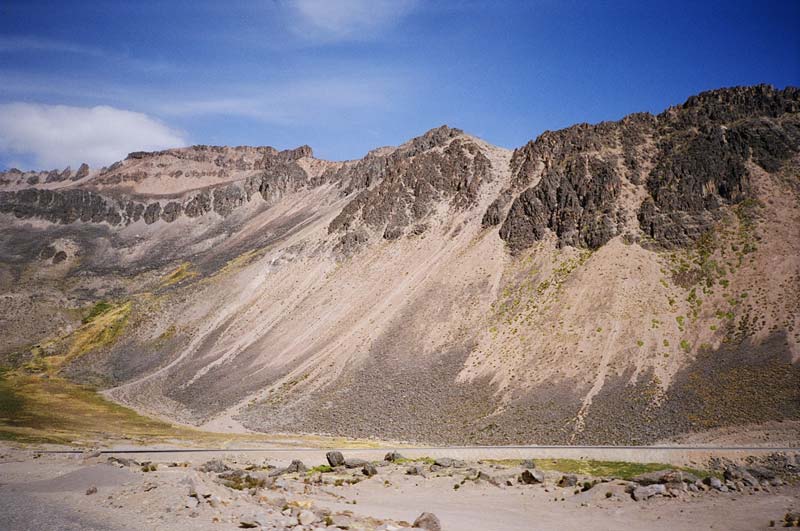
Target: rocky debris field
(238,491)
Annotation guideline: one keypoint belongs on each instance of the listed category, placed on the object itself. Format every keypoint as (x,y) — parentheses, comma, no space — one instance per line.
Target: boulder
(296,466)
(415,470)
(714,483)
(444,462)
(665,476)
(488,478)
(335,458)
(122,461)
(531,477)
(761,473)
(392,456)
(644,493)
(428,521)
(355,463)
(342,521)
(569,480)
(215,465)
(255,520)
(306,517)
(369,470)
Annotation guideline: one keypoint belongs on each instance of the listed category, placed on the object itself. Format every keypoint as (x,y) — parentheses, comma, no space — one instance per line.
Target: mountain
(624,282)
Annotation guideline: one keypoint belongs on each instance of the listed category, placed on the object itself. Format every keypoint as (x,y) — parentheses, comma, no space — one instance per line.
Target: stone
(392,456)
(415,470)
(355,463)
(341,521)
(713,482)
(444,462)
(528,463)
(191,502)
(306,517)
(665,476)
(647,492)
(488,478)
(569,480)
(531,477)
(369,470)
(335,458)
(122,462)
(215,465)
(255,520)
(428,521)
(296,466)
(91,490)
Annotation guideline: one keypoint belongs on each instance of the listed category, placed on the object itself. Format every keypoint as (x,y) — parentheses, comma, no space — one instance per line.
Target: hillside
(624,282)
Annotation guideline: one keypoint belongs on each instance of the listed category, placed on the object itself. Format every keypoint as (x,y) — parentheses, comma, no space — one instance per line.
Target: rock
(215,465)
(91,490)
(296,466)
(644,493)
(191,502)
(335,458)
(791,519)
(714,483)
(444,462)
(761,473)
(122,461)
(94,453)
(341,521)
(569,480)
(428,521)
(528,463)
(392,456)
(531,477)
(355,463)
(415,470)
(488,478)
(665,476)
(369,470)
(256,520)
(306,517)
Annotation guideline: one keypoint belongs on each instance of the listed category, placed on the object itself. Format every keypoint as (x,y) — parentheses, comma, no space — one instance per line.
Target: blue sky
(91,80)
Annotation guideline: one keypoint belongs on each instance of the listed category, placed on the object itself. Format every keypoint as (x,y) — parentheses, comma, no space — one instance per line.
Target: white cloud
(55,136)
(301,101)
(348,19)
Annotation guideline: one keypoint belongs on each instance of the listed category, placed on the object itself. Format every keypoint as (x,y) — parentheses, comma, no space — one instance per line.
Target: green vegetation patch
(182,272)
(590,467)
(96,310)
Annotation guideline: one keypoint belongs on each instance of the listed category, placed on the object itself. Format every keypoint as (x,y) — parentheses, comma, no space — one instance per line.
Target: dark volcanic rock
(530,477)
(411,180)
(698,153)
(576,202)
(335,458)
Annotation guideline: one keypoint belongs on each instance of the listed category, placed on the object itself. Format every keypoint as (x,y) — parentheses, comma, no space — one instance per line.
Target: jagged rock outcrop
(704,148)
(278,173)
(440,165)
(697,154)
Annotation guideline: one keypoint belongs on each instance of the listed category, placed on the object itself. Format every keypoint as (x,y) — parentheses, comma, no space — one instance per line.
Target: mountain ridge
(445,290)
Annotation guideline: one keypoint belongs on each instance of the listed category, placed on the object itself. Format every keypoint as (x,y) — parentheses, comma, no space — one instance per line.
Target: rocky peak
(691,160)
(399,189)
